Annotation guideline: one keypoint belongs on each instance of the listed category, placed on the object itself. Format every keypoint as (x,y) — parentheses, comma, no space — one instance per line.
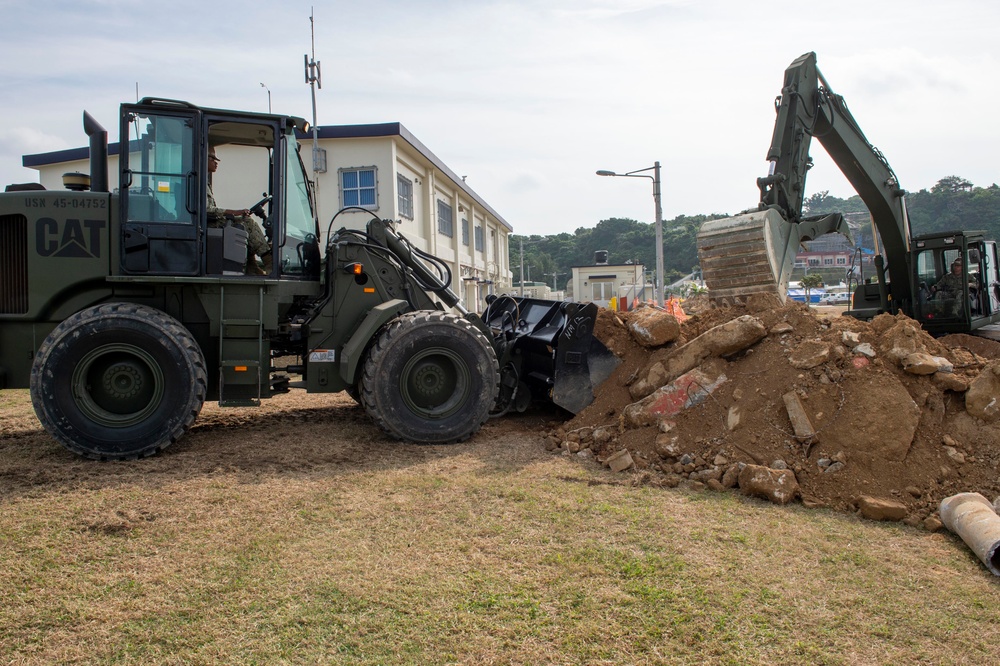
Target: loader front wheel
(430,377)
(118,381)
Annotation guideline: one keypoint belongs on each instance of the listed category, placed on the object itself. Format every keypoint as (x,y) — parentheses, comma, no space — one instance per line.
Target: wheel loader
(124,311)
(754,252)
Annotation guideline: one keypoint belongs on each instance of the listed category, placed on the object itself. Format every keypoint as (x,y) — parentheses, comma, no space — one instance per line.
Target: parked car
(839,298)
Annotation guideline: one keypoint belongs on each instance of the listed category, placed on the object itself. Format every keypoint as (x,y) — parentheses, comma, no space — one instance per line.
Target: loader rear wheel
(430,377)
(118,381)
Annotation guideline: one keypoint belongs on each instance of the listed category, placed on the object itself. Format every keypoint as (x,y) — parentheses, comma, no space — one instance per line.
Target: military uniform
(256,241)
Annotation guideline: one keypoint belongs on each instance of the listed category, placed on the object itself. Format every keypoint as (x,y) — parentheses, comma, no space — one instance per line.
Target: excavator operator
(949,287)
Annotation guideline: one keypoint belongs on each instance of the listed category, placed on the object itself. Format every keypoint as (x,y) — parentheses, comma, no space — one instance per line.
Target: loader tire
(431,377)
(118,381)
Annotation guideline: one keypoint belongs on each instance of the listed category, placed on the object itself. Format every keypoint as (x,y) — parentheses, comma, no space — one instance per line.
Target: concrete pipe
(971,516)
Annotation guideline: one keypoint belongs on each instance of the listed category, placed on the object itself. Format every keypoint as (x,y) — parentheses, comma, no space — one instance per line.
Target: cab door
(160,190)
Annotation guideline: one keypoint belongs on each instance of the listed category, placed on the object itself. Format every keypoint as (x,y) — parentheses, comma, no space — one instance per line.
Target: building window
(465,232)
(357,186)
(841,261)
(405,188)
(814,262)
(479,238)
(828,261)
(446,222)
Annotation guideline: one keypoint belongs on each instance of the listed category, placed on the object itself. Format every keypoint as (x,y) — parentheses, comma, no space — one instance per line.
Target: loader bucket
(551,349)
(753,253)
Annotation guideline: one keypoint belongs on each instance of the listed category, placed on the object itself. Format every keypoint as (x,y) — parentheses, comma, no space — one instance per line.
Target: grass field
(299,535)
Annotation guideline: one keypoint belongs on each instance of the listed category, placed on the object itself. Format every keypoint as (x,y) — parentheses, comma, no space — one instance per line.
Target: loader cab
(166,182)
(956,284)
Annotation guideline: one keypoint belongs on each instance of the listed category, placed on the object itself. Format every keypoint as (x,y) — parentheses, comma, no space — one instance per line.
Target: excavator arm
(754,252)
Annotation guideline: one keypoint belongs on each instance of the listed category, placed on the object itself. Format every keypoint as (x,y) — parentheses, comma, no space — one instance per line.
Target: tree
(810,282)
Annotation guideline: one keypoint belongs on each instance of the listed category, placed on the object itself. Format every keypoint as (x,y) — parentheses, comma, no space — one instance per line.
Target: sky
(529,98)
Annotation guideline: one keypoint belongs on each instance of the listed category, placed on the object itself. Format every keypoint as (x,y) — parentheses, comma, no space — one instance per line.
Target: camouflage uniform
(256,241)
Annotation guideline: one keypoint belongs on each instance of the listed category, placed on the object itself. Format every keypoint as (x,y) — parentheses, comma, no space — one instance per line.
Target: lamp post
(638,173)
(268,97)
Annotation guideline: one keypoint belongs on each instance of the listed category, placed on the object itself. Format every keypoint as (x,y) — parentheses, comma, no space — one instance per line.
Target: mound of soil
(880,431)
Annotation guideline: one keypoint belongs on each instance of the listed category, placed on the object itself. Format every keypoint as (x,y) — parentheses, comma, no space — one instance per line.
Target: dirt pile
(859,416)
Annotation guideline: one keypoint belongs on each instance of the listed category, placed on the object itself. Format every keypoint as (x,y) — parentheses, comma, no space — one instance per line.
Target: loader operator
(256,241)
(950,285)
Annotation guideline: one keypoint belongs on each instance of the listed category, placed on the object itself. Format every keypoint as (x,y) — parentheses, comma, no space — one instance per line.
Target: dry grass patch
(300,535)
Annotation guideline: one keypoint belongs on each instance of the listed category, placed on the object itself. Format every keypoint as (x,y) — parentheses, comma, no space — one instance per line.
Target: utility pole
(555,277)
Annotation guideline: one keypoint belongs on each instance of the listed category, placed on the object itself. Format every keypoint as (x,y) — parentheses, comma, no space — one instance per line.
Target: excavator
(754,252)
(123,311)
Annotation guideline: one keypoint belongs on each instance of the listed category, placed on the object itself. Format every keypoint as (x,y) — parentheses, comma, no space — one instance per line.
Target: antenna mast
(314,77)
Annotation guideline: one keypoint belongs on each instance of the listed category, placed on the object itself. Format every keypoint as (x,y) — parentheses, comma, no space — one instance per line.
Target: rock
(781,328)
(690,389)
(715,484)
(865,349)
(932,523)
(720,460)
(603,435)
(982,400)
(666,425)
(996,504)
(619,461)
(876,508)
(666,446)
(913,491)
(850,338)
(723,340)
(733,418)
(651,327)
(809,354)
(834,467)
(778,486)
(731,477)
(801,425)
(919,363)
(957,456)
(706,475)
(779,464)
(949,381)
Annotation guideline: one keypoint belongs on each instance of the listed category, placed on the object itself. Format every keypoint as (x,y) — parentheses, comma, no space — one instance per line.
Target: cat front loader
(124,311)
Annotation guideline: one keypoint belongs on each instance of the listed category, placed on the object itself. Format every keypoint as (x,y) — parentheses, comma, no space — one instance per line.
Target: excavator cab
(956,285)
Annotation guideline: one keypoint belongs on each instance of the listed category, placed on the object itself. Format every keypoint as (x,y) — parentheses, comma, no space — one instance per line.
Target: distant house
(382,168)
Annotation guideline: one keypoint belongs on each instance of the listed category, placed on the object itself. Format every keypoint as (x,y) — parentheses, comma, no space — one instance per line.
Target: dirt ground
(881,431)
(860,408)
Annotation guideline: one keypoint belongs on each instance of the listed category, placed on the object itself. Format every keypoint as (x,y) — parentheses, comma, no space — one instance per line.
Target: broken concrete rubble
(879,426)
(778,486)
(652,327)
(723,340)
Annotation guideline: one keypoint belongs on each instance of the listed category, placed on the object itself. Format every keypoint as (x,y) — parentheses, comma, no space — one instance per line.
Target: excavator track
(737,256)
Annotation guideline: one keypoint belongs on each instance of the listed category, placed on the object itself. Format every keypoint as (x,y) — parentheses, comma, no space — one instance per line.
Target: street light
(268,97)
(638,173)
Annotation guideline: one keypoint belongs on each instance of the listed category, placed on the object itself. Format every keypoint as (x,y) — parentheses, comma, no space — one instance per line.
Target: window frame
(404,201)
(357,170)
(448,230)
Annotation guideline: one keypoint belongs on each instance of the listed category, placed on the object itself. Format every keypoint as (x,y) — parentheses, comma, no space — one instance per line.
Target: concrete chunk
(801,425)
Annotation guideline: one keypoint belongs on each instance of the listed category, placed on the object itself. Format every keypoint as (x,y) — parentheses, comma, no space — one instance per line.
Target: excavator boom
(754,252)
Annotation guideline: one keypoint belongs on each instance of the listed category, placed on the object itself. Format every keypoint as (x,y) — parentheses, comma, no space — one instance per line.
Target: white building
(601,282)
(382,168)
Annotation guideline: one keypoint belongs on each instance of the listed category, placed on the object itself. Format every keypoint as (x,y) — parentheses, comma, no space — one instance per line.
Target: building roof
(324,131)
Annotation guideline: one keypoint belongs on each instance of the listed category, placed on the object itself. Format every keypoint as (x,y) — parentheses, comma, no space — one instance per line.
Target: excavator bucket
(548,351)
(753,253)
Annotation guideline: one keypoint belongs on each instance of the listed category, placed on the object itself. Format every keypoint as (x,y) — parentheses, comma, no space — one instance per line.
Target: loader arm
(807,109)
